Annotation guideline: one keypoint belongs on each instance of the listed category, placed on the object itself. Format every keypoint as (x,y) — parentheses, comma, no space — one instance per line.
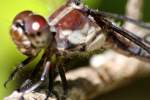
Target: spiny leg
(63,78)
(28,82)
(47,69)
(18,68)
(52,75)
(42,78)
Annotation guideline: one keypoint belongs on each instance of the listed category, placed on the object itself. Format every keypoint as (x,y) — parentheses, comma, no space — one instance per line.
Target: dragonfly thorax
(73,28)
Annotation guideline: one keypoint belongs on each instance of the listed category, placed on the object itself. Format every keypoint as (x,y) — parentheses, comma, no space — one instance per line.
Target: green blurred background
(9,56)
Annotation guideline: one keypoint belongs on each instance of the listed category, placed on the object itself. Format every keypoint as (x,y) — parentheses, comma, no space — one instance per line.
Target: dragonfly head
(30,32)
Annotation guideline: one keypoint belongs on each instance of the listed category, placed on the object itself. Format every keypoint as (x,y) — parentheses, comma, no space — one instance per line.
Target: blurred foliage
(9,55)
(146,8)
(116,6)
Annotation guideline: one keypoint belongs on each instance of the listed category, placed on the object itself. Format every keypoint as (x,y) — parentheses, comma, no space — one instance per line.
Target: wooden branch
(87,82)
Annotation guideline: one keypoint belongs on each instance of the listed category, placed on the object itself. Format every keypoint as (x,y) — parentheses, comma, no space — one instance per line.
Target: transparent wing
(106,25)
(121,17)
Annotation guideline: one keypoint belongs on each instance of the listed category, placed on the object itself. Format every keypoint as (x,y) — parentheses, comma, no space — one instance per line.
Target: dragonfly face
(30,32)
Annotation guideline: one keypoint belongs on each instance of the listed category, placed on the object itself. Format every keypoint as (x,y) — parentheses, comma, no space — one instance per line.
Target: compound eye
(35,23)
(22,15)
(37,29)
(18,22)
(17,29)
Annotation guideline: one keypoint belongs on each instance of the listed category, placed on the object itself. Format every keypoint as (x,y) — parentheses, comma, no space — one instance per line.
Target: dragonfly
(73,28)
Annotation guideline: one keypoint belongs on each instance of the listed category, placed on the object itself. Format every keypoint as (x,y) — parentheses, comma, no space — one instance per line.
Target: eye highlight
(35,23)
(37,30)
(35,26)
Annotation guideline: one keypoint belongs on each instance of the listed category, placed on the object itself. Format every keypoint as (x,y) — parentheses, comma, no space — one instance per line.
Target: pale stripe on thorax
(62,14)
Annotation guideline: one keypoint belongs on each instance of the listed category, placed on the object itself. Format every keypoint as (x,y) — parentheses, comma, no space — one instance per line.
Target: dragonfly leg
(64,80)
(42,78)
(18,68)
(28,82)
